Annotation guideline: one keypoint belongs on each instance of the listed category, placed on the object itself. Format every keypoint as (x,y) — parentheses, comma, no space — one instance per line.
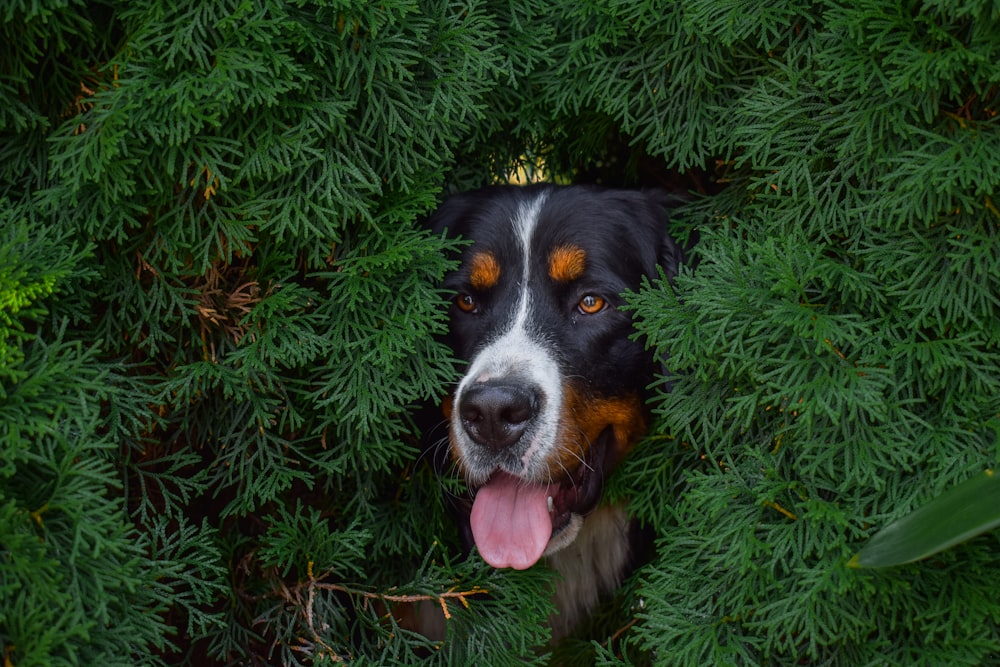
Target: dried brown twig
(303,596)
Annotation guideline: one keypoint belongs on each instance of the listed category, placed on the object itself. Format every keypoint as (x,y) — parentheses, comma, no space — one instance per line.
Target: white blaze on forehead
(518,351)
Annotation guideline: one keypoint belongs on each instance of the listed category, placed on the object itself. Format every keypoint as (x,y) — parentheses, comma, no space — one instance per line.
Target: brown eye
(590,304)
(466,303)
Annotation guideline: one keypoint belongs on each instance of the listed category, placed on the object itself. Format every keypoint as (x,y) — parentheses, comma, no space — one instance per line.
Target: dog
(553,394)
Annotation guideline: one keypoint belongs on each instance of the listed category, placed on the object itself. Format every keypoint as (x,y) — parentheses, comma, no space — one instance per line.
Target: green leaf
(966,510)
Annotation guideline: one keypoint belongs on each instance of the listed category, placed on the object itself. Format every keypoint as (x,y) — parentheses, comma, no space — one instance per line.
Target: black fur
(624,232)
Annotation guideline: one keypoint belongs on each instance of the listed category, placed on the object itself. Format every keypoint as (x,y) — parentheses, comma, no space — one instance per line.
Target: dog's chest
(591,567)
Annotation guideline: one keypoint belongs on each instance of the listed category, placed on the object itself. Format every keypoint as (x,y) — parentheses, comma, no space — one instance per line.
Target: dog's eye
(590,304)
(466,303)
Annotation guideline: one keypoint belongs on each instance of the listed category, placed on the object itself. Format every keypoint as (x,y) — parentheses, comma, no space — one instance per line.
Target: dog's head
(553,394)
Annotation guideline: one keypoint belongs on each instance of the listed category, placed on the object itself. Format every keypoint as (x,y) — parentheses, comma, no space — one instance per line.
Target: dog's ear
(443,218)
(671,253)
(671,256)
(452,214)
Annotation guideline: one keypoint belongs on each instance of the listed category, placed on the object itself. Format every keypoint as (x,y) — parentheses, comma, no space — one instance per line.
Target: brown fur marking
(566,263)
(484,270)
(584,418)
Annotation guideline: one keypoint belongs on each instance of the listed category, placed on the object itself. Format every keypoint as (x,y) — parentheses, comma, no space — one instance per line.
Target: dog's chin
(564,536)
(533,510)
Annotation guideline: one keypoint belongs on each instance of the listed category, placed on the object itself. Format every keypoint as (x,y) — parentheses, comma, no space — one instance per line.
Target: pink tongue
(511,522)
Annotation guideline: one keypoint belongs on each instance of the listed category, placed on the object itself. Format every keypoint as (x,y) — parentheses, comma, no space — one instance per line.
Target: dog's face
(553,394)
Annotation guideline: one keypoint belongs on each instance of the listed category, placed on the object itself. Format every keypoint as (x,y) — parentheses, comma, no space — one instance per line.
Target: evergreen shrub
(219,316)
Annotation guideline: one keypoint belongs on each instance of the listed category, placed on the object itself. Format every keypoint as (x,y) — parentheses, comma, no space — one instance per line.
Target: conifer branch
(217,312)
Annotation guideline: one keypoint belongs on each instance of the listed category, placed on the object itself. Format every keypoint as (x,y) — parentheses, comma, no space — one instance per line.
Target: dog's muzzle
(525,504)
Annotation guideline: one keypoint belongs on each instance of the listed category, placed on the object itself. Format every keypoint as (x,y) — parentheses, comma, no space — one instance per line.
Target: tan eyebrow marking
(484,270)
(566,263)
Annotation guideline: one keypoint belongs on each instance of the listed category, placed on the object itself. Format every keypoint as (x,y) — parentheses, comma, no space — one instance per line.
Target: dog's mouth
(516,521)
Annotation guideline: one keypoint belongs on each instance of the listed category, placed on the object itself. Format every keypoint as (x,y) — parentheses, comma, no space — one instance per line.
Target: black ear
(445,217)
(453,215)
(671,254)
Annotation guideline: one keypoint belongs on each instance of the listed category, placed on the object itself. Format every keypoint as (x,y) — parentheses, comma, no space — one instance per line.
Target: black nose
(496,414)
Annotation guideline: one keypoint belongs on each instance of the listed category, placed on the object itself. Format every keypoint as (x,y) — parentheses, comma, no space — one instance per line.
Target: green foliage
(28,273)
(835,351)
(78,584)
(218,319)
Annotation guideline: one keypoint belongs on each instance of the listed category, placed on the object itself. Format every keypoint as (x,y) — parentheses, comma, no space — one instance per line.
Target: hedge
(219,318)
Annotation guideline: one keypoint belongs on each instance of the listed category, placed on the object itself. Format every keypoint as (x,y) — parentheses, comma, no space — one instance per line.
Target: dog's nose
(496,414)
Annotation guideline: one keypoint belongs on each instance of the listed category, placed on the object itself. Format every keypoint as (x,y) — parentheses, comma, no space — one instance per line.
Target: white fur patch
(518,351)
